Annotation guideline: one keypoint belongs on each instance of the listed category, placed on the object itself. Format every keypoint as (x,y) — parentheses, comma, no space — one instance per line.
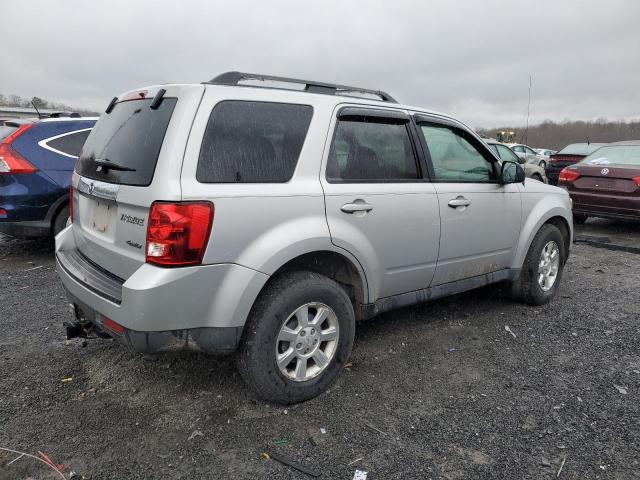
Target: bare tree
(553,135)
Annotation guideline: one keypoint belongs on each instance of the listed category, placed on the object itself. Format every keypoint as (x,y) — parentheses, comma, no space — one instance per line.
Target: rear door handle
(459,201)
(356,207)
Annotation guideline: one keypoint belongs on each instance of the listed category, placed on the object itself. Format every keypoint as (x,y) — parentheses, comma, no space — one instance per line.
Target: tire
(542,164)
(60,220)
(579,218)
(273,310)
(527,288)
(537,176)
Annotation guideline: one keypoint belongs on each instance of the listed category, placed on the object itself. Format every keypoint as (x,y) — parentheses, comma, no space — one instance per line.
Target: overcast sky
(470,58)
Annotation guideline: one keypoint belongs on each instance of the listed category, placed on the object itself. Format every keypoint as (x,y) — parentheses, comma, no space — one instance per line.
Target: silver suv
(267,215)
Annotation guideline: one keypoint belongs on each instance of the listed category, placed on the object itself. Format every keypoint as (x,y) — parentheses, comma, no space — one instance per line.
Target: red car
(569,155)
(605,183)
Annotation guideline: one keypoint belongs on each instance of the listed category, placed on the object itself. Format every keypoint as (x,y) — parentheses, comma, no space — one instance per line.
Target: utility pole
(526,132)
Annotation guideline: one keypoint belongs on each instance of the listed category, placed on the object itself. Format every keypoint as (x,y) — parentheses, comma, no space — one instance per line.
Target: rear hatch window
(124,145)
(579,149)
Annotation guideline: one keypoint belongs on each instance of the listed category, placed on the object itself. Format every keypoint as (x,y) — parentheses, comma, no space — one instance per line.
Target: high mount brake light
(10,160)
(567,175)
(138,95)
(178,233)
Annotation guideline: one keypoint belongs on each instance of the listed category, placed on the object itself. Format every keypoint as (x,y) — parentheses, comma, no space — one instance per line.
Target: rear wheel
(542,269)
(579,218)
(537,176)
(60,220)
(298,337)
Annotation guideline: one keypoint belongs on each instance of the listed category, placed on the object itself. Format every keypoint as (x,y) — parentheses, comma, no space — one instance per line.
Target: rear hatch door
(132,158)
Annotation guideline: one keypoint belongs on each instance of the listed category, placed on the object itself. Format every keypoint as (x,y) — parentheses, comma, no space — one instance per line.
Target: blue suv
(37,158)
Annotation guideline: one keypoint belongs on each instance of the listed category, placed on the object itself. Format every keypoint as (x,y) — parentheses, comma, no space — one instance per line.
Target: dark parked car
(605,183)
(37,158)
(569,155)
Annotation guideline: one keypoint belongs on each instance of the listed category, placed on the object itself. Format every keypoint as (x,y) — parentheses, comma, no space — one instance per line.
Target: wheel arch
(542,214)
(332,264)
(55,209)
(563,225)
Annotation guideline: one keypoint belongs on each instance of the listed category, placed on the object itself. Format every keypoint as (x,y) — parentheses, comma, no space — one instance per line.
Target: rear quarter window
(69,144)
(252,142)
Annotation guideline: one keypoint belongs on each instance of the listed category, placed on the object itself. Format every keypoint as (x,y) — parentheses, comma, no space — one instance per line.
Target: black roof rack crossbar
(234,78)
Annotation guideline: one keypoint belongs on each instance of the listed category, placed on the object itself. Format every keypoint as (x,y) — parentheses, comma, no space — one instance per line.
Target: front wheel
(542,269)
(298,337)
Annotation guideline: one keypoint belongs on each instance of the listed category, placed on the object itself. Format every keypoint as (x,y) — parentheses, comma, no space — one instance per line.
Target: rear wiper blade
(105,164)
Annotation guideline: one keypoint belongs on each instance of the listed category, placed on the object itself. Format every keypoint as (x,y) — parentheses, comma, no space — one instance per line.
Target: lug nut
(299,345)
(302,333)
(313,331)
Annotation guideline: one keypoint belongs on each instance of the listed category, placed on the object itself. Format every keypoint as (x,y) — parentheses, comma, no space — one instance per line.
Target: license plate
(100,219)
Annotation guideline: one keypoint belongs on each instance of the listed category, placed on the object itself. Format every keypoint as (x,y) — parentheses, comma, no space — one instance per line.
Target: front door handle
(459,201)
(356,206)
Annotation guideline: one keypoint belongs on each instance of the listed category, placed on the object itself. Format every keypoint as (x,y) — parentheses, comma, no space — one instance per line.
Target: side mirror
(511,172)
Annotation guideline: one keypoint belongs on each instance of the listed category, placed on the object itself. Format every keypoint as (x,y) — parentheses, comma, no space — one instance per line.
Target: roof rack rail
(234,78)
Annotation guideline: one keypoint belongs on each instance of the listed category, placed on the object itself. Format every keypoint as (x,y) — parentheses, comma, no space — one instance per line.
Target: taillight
(177,233)
(71,209)
(567,175)
(10,160)
(636,180)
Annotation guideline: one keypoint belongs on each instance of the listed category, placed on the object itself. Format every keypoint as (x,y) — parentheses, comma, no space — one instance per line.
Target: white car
(545,152)
(529,154)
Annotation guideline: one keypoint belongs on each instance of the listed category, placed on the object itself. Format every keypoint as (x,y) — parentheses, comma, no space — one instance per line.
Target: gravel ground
(441,390)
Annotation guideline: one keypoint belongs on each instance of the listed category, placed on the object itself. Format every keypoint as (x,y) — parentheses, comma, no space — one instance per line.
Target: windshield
(615,154)
(579,149)
(129,138)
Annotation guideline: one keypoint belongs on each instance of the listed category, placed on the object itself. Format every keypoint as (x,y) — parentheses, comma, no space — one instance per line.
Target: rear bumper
(28,229)
(211,340)
(606,205)
(613,215)
(202,308)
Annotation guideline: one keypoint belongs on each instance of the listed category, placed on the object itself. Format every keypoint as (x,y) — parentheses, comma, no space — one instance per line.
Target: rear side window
(69,144)
(129,138)
(371,149)
(252,142)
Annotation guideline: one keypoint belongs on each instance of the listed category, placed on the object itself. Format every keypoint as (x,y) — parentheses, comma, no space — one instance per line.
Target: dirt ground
(441,390)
